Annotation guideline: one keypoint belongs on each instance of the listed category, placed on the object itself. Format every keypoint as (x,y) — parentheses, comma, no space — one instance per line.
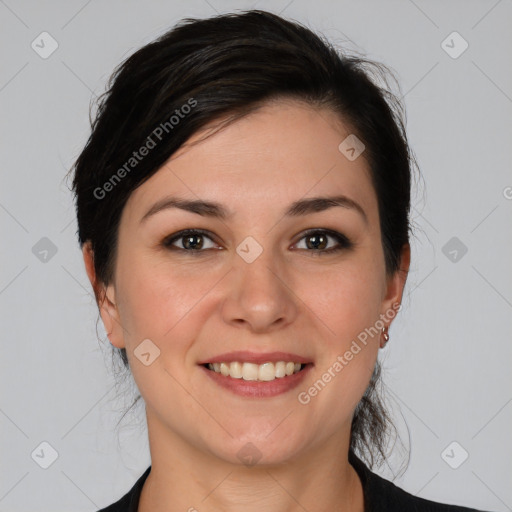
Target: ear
(105,299)
(396,283)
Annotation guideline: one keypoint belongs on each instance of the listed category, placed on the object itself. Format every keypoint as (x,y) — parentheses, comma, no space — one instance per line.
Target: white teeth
(235,370)
(266,371)
(252,371)
(280,369)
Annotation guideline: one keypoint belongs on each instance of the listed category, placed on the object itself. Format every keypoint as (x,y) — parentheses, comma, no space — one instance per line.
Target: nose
(259,295)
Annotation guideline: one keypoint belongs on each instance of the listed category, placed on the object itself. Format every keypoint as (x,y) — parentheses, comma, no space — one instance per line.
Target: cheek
(348,300)
(159,299)
(159,303)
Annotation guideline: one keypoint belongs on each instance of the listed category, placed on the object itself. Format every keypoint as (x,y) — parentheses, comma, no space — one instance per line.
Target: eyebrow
(216,210)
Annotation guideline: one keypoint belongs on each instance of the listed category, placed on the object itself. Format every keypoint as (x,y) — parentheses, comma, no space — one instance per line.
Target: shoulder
(381,495)
(130,501)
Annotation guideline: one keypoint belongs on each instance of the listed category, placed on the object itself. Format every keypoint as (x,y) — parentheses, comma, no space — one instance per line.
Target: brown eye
(318,241)
(192,241)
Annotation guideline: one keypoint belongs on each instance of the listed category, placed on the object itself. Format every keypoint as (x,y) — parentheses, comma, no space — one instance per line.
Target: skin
(288,299)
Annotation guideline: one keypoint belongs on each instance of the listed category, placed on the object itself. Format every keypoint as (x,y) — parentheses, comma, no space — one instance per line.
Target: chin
(260,450)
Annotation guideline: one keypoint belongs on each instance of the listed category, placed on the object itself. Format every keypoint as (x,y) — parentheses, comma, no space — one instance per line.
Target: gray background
(447,365)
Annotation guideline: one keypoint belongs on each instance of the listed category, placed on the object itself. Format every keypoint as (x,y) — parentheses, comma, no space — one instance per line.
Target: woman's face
(254,281)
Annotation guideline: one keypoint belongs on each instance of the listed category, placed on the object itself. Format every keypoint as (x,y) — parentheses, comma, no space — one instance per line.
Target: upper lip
(243,356)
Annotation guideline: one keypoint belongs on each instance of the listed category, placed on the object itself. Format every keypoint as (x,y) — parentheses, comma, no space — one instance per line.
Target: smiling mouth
(256,372)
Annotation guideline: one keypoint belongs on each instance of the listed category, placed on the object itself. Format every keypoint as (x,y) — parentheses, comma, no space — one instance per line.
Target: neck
(184,478)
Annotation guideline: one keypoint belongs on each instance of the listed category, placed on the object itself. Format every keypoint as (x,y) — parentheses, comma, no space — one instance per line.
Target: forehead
(284,151)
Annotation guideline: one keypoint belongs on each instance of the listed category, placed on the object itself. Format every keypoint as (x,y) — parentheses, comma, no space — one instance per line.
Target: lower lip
(259,389)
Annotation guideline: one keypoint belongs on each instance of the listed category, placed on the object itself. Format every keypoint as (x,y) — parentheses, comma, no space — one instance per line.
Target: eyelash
(344,243)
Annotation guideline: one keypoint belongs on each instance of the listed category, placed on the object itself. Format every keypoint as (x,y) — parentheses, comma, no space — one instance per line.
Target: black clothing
(380,495)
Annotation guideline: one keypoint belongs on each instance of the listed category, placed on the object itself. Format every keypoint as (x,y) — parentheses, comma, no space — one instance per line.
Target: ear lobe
(111,321)
(106,305)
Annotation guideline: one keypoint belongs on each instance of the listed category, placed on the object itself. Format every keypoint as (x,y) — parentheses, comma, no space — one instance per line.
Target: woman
(243,210)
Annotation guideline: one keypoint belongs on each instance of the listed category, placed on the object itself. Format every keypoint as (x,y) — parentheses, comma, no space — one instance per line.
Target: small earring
(385,335)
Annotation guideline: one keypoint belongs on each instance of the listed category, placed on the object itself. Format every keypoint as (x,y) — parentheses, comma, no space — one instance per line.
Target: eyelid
(169,240)
(343,243)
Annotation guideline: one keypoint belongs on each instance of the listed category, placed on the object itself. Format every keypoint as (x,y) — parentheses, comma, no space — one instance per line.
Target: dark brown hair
(225,67)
